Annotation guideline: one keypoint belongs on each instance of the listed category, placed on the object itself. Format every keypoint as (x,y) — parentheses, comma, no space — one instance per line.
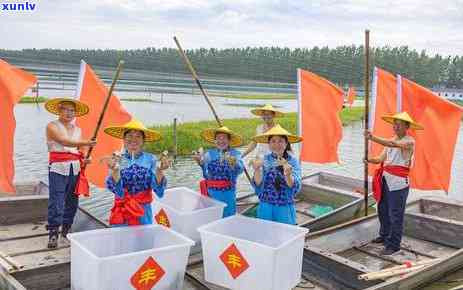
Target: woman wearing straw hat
(277,178)
(268,114)
(221,166)
(64,141)
(390,182)
(134,175)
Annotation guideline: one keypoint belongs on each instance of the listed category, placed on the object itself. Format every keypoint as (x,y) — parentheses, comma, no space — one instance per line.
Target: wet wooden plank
(443,208)
(42,259)
(333,271)
(398,258)
(24,246)
(25,209)
(195,259)
(53,276)
(433,249)
(8,282)
(20,231)
(197,271)
(434,229)
(373,263)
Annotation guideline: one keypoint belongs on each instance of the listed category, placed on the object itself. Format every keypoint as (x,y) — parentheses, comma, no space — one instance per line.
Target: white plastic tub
(107,259)
(272,251)
(186,210)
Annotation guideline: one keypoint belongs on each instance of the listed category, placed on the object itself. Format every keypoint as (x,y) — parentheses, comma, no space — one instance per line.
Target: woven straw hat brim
(52,106)
(209,136)
(267,108)
(413,124)
(119,131)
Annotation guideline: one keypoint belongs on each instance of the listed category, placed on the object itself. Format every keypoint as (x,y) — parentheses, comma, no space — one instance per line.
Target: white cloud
(422,24)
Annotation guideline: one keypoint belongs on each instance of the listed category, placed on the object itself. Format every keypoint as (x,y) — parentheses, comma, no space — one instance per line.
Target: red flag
(320,103)
(92,91)
(14,82)
(435,145)
(384,102)
(351,96)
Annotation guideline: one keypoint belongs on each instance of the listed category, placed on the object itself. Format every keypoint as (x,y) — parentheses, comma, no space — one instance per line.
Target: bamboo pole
(397,270)
(105,106)
(10,264)
(367,112)
(392,273)
(198,82)
(203,91)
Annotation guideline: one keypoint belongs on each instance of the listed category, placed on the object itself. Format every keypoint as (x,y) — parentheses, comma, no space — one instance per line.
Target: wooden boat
(325,200)
(25,262)
(433,228)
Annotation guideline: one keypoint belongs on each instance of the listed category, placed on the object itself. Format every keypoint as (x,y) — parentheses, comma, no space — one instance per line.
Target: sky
(436,26)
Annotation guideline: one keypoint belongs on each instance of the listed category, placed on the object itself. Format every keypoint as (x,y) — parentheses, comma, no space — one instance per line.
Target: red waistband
(128,209)
(64,156)
(397,170)
(82,186)
(205,184)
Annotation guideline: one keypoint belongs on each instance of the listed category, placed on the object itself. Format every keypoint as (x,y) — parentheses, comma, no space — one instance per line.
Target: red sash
(205,184)
(129,209)
(82,187)
(397,170)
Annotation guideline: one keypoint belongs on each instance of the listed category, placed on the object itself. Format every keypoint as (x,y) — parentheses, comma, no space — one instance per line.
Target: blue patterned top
(216,168)
(273,189)
(138,175)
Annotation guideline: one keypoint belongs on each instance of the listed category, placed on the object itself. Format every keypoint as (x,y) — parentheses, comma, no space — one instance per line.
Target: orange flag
(435,145)
(92,91)
(14,82)
(384,102)
(320,103)
(351,96)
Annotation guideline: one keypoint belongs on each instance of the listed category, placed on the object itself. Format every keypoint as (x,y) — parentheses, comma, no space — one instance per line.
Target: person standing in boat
(134,175)
(268,114)
(277,177)
(65,160)
(390,182)
(221,167)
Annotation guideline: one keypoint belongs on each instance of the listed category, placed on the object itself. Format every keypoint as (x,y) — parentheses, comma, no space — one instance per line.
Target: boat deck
(412,250)
(433,229)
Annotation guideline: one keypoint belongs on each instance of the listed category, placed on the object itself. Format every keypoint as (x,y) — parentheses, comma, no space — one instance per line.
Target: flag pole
(367,113)
(203,91)
(105,106)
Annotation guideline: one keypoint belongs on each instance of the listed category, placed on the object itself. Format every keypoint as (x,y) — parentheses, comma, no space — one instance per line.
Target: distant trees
(343,65)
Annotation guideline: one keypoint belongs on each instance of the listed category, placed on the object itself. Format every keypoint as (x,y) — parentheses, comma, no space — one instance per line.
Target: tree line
(343,65)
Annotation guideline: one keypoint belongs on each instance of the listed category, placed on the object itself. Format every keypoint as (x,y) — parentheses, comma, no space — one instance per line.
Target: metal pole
(367,112)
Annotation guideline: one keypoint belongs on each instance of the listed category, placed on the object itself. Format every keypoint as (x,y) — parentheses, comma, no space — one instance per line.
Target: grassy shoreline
(32,100)
(188,138)
(138,99)
(259,96)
